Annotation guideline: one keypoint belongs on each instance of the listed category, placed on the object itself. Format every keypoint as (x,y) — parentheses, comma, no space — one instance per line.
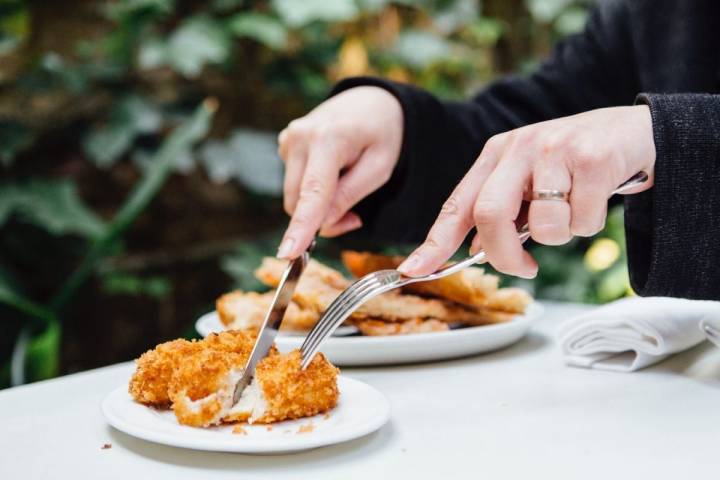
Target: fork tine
(343,306)
(337,305)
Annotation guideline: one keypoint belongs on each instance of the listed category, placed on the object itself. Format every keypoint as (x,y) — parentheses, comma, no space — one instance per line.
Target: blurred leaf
(126,284)
(182,138)
(42,358)
(263,28)
(198,41)
(248,156)
(123,8)
(298,13)
(419,49)
(485,31)
(51,204)
(571,21)
(547,10)
(614,284)
(456,14)
(241,264)
(14,24)
(14,137)
(132,116)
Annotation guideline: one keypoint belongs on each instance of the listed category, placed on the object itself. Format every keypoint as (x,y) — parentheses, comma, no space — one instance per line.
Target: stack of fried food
(468,298)
(197,378)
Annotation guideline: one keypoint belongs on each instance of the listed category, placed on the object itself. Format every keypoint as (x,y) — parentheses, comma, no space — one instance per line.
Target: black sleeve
(673,229)
(441,139)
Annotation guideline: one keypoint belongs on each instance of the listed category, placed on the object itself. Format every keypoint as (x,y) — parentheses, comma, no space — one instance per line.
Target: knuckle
(300,219)
(487,212)
(312,187)
(345,197)
(450,208)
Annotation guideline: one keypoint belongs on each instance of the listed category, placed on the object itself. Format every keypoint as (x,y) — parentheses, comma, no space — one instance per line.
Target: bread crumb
(327,416)
(306,428)
(238,429)
(106,446)
(269,428)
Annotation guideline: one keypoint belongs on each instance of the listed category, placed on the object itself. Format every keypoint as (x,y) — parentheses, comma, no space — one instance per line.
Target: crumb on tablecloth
(106,446)
(269,428)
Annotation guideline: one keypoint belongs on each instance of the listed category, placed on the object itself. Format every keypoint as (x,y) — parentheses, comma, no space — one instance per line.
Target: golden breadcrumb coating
(245,310)
(198,378)
(470,286)
(291,392)
(154,368)
(201,387)
(374,327)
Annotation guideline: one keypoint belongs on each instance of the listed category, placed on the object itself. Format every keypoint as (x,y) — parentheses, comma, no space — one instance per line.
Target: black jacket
(665,53)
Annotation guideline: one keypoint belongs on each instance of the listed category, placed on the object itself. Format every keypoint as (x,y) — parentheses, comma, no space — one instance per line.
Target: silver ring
(555,195)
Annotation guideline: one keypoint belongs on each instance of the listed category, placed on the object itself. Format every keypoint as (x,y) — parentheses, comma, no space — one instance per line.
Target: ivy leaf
(263,28)
(42,357)
(50,204)
(299,13)
(197,42)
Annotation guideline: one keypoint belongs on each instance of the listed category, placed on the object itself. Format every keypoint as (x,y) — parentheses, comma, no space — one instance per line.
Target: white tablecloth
(517,413)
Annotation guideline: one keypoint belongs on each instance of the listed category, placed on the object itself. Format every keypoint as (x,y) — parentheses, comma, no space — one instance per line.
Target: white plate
(360,411)
(397,349)
(210,323)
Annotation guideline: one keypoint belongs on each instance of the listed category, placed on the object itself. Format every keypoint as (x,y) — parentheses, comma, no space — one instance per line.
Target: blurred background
(139,177)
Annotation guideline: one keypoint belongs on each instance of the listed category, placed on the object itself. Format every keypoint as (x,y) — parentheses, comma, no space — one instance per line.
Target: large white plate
(397,349)
(360,411)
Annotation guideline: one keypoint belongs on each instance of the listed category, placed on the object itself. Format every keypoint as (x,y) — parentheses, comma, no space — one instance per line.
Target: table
(516,413)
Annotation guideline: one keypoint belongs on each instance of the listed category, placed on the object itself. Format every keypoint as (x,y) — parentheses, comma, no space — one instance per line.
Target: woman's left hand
(587,155)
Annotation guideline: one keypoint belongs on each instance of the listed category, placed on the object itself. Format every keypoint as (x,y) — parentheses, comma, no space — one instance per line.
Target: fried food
(320,285)
(281,390)
(470,286)
(197,380)
(246,310)
(201,387)
(512,300)
(149,383)
(374,327)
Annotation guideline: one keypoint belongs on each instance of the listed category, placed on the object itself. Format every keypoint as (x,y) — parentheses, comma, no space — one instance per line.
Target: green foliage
(101,96)
(51,204)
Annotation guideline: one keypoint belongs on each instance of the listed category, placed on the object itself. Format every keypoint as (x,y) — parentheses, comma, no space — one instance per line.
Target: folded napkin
(635,332)
(710,326)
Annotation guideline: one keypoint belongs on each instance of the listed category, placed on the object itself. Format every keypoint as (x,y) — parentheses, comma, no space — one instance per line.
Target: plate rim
(290,444)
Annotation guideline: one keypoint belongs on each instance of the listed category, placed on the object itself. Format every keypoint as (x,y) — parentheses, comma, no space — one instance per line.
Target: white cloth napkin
(635,332)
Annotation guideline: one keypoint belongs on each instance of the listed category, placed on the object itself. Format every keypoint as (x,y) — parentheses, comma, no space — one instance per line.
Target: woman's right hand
(336,155)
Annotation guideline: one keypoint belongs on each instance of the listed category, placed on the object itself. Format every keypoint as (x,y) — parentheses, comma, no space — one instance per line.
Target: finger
(495,211)
(455,219)
(549,220)
(369,173)
(294,168)
(316,191)
(349,222)
(588,205)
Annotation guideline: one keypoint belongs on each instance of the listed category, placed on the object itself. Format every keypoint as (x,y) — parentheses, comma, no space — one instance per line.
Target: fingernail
(529,275)
(285,248)
(410,264)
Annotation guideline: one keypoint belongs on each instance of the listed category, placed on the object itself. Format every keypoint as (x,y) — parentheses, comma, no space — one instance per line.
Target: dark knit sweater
(670,48)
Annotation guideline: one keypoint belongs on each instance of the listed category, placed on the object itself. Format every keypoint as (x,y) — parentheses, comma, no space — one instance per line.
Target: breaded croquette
(149,383)
(198,378)
(281,390)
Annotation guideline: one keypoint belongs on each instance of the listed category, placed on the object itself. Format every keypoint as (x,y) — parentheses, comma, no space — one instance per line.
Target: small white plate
(361,410)
(397,349)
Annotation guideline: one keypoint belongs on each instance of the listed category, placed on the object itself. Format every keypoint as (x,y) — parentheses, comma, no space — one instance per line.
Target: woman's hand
(335,156)
(588,155)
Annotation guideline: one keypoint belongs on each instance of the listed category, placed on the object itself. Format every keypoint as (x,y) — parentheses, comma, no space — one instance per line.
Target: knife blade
(273,319)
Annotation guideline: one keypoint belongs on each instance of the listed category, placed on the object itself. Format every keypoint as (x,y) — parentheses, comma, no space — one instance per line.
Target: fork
(377,283)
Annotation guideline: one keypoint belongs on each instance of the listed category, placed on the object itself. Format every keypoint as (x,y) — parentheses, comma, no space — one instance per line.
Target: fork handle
(524,233)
